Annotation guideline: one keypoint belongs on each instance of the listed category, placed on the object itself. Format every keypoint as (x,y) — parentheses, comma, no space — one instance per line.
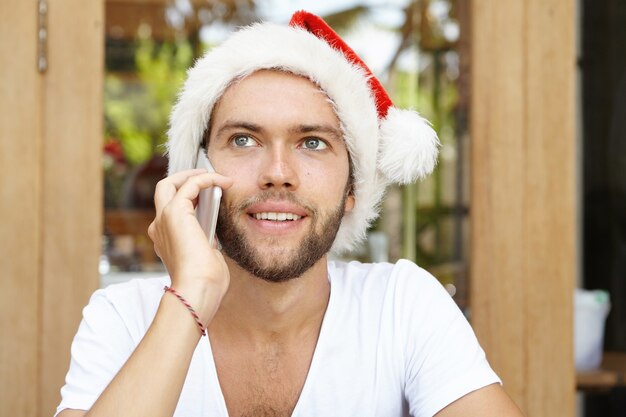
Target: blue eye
(243,141)
(314,144)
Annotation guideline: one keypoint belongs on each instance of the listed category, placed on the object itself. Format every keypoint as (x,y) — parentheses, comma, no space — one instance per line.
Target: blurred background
(413,47)
(528,200)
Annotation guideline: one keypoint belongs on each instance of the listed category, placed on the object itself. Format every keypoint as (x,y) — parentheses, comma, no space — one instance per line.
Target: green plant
(137,108)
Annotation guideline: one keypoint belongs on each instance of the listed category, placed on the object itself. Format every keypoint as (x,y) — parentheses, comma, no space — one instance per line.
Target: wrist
(203,298)
(189,307)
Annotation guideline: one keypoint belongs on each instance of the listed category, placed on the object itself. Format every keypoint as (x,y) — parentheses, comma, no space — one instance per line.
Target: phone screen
(208,201)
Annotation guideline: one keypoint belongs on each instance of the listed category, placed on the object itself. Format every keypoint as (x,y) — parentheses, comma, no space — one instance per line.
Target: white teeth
(276,216)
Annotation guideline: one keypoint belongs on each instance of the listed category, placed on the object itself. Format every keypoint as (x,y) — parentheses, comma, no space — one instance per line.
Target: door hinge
(42,36)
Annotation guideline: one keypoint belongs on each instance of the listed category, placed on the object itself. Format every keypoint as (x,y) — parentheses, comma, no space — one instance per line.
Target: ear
(349,205)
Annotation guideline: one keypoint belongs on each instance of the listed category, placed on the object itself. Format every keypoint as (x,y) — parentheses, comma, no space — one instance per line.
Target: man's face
(277,136)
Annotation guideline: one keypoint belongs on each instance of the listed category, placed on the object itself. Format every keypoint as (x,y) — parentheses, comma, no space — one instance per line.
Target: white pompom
(408,146)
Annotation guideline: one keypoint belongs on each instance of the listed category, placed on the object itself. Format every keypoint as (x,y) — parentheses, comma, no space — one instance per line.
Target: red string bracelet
(189,307)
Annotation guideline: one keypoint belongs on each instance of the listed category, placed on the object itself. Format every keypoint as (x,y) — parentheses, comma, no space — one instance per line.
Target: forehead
(277,92)
(269,78)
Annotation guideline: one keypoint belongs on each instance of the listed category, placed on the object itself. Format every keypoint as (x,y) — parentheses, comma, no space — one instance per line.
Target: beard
(288,263)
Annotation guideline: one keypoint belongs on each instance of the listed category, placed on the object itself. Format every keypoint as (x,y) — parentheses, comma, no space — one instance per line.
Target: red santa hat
(386,144)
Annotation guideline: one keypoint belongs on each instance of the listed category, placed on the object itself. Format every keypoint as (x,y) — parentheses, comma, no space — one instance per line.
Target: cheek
(327,181)
(241,171)
(244,183)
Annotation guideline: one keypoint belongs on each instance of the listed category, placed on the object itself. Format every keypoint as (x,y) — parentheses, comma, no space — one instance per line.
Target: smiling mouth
(276,216)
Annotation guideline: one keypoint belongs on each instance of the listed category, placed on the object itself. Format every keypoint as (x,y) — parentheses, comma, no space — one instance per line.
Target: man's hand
(197,271)
(151,380)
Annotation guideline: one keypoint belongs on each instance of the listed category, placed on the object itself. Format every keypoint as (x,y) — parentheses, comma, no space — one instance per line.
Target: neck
(262,311)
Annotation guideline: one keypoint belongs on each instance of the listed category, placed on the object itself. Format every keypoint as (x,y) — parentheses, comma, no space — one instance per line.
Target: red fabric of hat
(319,28)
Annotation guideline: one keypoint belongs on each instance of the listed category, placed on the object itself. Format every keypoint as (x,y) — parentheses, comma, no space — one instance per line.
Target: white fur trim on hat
(408,146)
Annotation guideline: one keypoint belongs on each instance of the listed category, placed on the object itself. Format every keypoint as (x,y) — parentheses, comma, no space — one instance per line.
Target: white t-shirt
(392,343)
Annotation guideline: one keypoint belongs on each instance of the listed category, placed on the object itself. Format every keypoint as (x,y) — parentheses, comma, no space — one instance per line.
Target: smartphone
(208,200)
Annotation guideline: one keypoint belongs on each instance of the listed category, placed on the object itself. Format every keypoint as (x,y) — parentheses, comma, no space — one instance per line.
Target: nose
(278,170)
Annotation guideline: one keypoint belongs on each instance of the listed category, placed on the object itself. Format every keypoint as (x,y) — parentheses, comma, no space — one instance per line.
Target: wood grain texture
(551,206)
(72,181)
(19,209)
(497,160)
(523,197)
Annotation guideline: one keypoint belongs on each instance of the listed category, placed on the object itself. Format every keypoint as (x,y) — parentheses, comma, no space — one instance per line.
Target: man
(304,141)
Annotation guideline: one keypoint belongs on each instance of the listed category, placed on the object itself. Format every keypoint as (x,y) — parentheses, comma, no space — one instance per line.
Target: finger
(191,188)
(151,231)
(166,188)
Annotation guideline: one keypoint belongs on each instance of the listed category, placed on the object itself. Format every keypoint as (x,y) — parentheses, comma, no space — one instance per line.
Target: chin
(273,263)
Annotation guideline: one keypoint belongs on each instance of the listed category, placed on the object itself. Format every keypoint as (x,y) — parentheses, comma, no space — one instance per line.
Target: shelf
(128,222)
(612,373)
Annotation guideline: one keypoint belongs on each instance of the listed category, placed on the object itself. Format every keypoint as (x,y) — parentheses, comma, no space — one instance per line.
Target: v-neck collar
(327,321)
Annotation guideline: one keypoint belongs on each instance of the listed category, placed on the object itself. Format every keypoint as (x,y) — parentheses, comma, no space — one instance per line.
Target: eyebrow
(335,133)
(235,124)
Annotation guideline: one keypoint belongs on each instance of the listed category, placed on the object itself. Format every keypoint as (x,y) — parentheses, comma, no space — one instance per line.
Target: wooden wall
(50,194)
(20,202)
(523,187)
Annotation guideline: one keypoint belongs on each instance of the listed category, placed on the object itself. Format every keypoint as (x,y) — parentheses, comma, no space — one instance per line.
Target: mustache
(272,195)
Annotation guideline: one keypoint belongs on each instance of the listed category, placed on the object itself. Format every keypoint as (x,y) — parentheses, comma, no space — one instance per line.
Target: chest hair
(262,382)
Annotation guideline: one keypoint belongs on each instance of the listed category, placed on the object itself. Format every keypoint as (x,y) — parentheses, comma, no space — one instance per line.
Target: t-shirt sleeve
(443,360)
(100,347)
